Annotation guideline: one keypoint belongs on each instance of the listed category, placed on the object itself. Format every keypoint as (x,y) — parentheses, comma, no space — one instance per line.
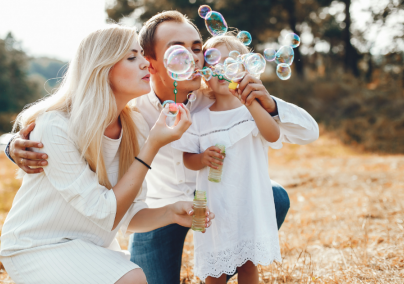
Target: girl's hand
(161,134)
(208,159)
(251,88)
(183,211)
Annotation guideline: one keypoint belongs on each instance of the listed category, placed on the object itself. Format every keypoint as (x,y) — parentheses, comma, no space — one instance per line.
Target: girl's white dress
(59,229)
(245,226)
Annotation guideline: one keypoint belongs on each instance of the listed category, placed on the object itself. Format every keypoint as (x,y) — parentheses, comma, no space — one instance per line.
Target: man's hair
(146,34)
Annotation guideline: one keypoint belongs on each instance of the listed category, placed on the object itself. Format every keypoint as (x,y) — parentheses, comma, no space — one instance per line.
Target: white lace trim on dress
(226,261)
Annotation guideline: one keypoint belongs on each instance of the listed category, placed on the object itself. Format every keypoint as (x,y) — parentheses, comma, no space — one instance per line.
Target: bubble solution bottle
(198,219)
(215,175)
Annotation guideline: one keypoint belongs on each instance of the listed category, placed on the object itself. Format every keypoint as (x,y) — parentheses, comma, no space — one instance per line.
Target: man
(159,252)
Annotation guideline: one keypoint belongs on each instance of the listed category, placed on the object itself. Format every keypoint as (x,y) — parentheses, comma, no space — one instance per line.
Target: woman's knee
(135,276)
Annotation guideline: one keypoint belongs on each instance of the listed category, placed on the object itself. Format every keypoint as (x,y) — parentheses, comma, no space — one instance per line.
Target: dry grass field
(345,224)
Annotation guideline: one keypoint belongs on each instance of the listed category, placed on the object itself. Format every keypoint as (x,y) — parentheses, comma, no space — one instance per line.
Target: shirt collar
(156,102)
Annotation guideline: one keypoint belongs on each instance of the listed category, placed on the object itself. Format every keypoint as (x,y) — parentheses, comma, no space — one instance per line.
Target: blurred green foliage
(23,80)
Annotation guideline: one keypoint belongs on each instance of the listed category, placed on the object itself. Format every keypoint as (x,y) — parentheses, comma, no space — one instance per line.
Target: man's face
(172,33)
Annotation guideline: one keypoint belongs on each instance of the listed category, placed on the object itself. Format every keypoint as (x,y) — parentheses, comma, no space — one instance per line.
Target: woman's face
(130,78)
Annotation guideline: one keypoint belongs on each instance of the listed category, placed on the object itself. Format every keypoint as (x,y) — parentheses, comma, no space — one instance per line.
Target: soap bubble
(269,54)
(212,56)
(170,108)
(229,60)
(207,73)
(219,69)
(235,71)
(285,54)
(191,97)
(168,52)
(234,54)
(255,64)
(185,76)
(203,11)
(283,71)
(179,61)
(244,37)
(215,23)
(180,77)
(292,40)
(243,57)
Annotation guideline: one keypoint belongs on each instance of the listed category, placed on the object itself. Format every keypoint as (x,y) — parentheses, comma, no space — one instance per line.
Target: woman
(64,219)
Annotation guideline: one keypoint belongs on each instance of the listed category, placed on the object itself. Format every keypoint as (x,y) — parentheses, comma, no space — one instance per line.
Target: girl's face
(220,87)
(130,78)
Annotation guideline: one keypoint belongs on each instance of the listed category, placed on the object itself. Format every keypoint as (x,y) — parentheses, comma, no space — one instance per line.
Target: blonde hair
(85,96)
(231,42)
(229,39)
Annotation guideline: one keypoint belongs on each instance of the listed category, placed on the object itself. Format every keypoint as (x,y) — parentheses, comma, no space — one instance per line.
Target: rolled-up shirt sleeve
(70,174)
(296,125)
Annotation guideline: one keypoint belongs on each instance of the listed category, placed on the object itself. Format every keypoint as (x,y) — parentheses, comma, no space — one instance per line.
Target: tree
(16,90)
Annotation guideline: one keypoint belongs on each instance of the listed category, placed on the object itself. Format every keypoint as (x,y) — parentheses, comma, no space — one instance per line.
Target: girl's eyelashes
(131,58)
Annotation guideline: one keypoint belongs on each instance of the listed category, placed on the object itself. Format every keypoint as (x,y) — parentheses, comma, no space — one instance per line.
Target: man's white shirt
(170,181)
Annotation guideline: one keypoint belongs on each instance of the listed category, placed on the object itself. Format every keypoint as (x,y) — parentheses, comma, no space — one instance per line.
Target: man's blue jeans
(159,252)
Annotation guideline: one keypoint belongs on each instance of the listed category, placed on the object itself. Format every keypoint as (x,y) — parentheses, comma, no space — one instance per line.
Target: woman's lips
(146,78)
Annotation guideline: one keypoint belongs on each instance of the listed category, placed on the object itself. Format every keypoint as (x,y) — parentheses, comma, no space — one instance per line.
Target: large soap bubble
(283,71)
(235,71)
(269,54)
(244,37)
(285,54)
(255,64)
(292,40)
(212,56)
(203,11)
(215,23)
(179,61)
(169,51)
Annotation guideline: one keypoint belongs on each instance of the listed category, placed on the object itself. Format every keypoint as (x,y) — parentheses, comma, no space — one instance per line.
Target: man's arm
(297,125)
(22,156)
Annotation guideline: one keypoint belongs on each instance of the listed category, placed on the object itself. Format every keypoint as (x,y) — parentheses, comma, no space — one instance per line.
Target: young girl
(245,233)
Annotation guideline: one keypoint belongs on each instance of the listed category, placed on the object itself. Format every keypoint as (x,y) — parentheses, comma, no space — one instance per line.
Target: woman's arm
(181,212)
(197,162)
(78,185)
(129,185)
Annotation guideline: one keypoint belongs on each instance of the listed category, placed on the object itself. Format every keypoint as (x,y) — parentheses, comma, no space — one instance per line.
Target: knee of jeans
(282,197)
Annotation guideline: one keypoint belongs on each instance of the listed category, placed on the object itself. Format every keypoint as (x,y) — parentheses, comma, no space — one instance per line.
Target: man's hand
(251,88)
(210,157)
(26,159)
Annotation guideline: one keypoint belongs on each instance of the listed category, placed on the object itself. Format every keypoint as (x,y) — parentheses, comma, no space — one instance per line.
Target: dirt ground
(345,224)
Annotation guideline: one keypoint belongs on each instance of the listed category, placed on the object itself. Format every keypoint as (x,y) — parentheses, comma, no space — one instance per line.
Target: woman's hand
(208,157)
(182,212)
(161,134)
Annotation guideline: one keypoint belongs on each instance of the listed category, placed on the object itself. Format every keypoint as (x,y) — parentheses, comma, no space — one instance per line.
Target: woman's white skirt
(71,262)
